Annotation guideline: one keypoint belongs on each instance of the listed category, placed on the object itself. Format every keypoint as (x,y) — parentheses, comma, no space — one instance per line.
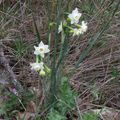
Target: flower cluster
(40,52)
(74,19)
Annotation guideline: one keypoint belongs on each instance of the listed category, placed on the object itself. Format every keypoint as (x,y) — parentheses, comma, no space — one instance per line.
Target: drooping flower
(41,49)
(83,27)
(74,16)
(60,28)
(37,66)
(76,31)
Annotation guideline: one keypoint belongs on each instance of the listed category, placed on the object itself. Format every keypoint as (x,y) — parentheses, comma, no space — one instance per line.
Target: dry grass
(95,73)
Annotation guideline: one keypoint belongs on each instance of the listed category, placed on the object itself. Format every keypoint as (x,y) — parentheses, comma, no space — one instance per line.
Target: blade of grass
(36,30)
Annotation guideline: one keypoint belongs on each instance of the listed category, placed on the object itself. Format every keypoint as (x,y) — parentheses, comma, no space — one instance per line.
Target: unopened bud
(68,20)
(42,73)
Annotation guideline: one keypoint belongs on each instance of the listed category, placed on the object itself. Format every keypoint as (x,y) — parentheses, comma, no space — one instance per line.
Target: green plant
(20,48)
(90,116)
(88,7)
(55,115)
(2,111)
(66,97)
(65,101)
(15,103)
(69,24)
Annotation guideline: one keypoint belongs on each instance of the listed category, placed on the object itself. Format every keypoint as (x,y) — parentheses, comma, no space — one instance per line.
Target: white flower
(74,16)
(83,27)
(41,49)
(60,28)
(76,32)
(37,66)
(81,30)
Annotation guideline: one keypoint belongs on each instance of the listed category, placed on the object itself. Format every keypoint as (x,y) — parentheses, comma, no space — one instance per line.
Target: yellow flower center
(41,49)
(76,17)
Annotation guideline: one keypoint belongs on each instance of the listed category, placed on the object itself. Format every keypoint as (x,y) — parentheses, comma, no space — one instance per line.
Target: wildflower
(83,27)
(74,16)
(41,49)
(37,66)
(60,28)
(76,32)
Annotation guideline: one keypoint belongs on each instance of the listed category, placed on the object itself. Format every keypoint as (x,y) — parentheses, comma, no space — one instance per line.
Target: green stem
(61,49)
(49,40)
(53,87)
(21,104)
(69,27)
(37,59)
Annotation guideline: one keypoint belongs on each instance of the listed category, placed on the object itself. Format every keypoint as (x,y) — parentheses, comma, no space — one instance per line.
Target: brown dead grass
(96,69)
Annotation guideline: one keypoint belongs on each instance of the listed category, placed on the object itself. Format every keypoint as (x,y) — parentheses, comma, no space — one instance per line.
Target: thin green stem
(49,41)
(61,49)
(53,87)
(21,104)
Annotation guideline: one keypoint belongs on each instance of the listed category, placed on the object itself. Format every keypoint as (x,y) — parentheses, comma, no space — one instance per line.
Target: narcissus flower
(41,49)
(37,66)
(83,27)
(76,31)
(74,16)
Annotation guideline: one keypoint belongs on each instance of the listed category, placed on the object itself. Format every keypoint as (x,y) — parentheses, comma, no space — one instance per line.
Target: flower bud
(51,24)
(42,73)
(68,20)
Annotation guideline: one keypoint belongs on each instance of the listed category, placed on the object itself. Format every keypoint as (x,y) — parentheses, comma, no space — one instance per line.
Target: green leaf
(36,30)
(20,48)
(66,97)
(2,111)
(90,116)
(115,73)
(55,115)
